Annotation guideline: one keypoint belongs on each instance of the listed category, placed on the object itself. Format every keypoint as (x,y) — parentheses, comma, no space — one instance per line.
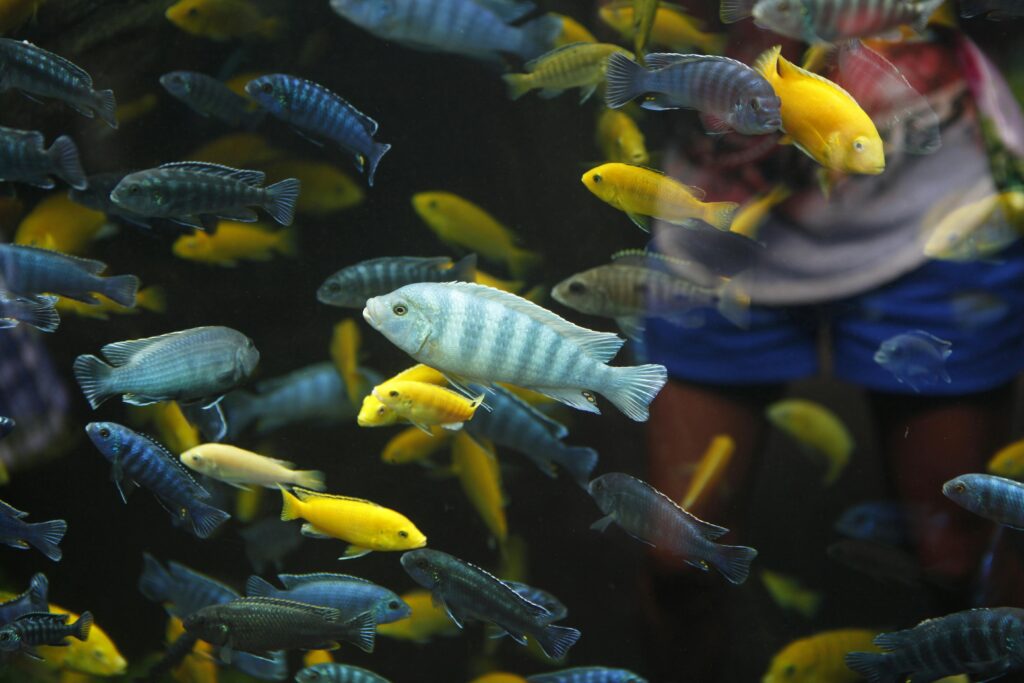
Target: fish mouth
(368,316)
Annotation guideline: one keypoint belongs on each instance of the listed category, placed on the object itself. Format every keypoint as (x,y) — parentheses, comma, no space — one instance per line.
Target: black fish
(30,630)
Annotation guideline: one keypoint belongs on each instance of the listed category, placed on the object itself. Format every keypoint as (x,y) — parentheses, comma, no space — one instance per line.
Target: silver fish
(818,21)
(986,495)
(915,358)
(32,271)
(23,159)
(351,286)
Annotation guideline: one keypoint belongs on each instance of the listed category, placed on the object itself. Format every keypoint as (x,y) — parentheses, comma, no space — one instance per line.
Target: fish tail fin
(258,587)
(63,156)
(206,518)
(46,537)
(734,304)
(376,154)
(518,85)
(715,43)
(280,202)
(106,107)
(42,315)
(731,11)
(625,80)
(539,36)
(733,561)
(92,375)
(286,242)
(290,506)
(155,580)
(719,214)
(522,261)
(579,461)
(310,479)
(363,631)
(634,387)
(556,640)
(82,626)
(38,590)
(122,289)
(152,299)
(872,666)
(465,268)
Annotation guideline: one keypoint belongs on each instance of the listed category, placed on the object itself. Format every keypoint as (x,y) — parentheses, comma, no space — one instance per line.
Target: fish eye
(858,145)
(193,11)
(755,105)
(333,287)
(267,87)
(104,433)
(432,204)
(577,288)
(598,485)
(196,457)
(403,533)
(789,671)
(393,604)
(597,177)
(422,563)
(97,654)
(959,487)
(393,394)
(399,309)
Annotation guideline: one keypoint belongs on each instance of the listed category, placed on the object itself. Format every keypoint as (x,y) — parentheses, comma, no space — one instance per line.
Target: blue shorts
(781,343)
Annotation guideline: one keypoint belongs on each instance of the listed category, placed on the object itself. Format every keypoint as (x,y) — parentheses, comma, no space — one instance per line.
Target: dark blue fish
(31,630)
(43,536)
(315,110)
(207,96)
(140,461)
(986,495)
(881,521)
(917,358)
(36,311)
(268,541)
(587,674)
(34,71)
(351,286)
(34,599)
(33,271)
(337,673)
(97,197)
(6,426)
(350,594)
(23,159)
(179,589)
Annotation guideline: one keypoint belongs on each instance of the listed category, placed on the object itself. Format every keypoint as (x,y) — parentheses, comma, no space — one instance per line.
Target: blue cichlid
(34,71)
(179,589)
(31,630)
(37,311)
(97,197)
(587,674)
(316,111)
(986,495)
(23,159)
(31,271)
(473,28)
(473,333)
(195,365)
(468,592)
(881,521)
(43,536)
(917,358)
(729,94)
(350,594)
(351,286)
(209,97)
(334,672)
(137,461)
(34,599)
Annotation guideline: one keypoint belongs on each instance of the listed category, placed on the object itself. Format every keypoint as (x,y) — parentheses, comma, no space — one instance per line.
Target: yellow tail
(719,214)
(518,85)
(291,507)
(285,244)
(152,299)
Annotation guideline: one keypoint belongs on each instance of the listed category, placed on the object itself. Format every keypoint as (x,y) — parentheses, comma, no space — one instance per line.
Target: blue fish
(334,672)
(179,589)
(34,599)
(23,159)
(587,674)
(351,286)
(97,197)
(32,271)
(881,521)
(917,358)
(6,426)
(36,311)
(349,594)
(140,461)
(316,111)
(30,630)
(43,536)
(209,97)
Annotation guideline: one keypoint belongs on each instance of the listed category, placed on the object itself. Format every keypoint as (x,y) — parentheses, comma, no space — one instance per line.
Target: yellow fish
(816,428)
(709,470)
(499,677)
(364,525)
(345,344)
(822,119)
(819,658)
(511,286)
(750,216)
(373,413)
(241,468)
(222,19)
(477,469)
(672,27)
(644,12)
(14,13)
(326,189)
(148,299)
(96,655)
(579,65)
(620,138)
(1009,461)
(976,230)
(789,594)
(239,150)
(60,224)
(237,83)
(234,242)
(199,666)
(425,405)
(463,224)
(426,620)
(643,193)
(248,503)
(314,657)
(572,31)
(170,426)
(414,445)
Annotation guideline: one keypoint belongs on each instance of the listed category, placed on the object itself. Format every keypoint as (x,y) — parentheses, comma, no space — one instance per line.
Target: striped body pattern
(317,111)
(587,674)
(137,460)
(179,589)
(474,333)
(337,673)
(42,628)
(617,290)
(207,96)
(32,271)
(650,515)
(984,642)
(996,498)
(828,21)
(579,65)
(44,536)
(349,594)
(351,286)
(24,159)
(97,196)
(34,71)
(34,599)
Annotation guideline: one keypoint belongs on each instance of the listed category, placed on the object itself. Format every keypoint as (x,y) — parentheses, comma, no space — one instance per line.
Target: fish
(185,190)
(645,194)
(234,242)
(644,14)
(239,467)
(137,461)
(326,189)
(818,658)
(468,592)
(198,665)
(752,214)
(880,521)
(482,278)
(415,445)
(819,431)
(241,150)
(209,97)
(729,94)
(333,672)
(672,27)
(97,655)
(620,139)
(789,594)
(437,26)
(984,642)
(7,425)
(993,10)
(462,224)
(45,537)
(977,230)
(60,224)
(35,311)
(650,516)
(34,599)
(824,121)
(709,471)
(572,31)
(260,625)
(197,365)
(316,112)
(31,630)
(366,526)
(349,594)
(578,65)
(32,271)
(425,405)
(351,286)
(477,469)
(499,677)
(269,541)
(181,590)
(916,358)
(995,498)
(974,310)
(148,299)
(426,621)
(314,657)
(223,20)
(830,21)
(345,343)
(1008,461)
(515,341)
(97,197)
(24,159)
(248,502)
(587,674)
(37,72)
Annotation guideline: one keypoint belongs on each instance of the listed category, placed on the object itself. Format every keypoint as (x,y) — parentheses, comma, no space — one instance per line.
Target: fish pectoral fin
(139,400)
(603,523)
(243,214)
(34,654)
(632,327)
(494,632)
(786,139)
(303,134)
(586,92)
(456,619)
(422,427)
(642,222)
(227,654)
(452,426)
(30,97)
(310,531)
(354,551)
(550,93)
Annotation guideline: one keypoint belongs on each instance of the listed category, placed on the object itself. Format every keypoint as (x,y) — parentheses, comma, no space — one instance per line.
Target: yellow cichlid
(170,425)
(424,405)
(750,216)
(709,470)
(414,445)
(239,150)
(96,655)
(426,620)
(239,467)
(643,193)
(976,230)
(672,28)
(222,19)
(499,677)
(511,286)
(620,138)
(818,430)
(1009,461)
(819,658)
(644,13)
(373,413)
(345,344)
(60,224)
(247,504)
(822,119)
(148,299)
(314,657)
(234,242)
(326,188)
(461,223)
(572,31)
(366,526)
(477,469)
(578,65)
(789,594)
(199,666)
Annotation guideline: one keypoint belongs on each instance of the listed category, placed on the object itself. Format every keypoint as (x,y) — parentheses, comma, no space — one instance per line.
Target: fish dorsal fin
(661,60)
(410,261)
(601,346)
(247,176)
(307,494)
(23,135)
(556,428)
(176,463)
(768,63)
(691,271)
(707,529)
(530,65)
(531,607)
(70,66)
(87,264)
(8,509)
(788,68)
(945,347)
(507,10)
(55,617)
(295,580)
(119,353)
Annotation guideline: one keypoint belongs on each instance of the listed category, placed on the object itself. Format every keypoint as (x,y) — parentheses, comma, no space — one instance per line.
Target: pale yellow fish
(373,413)
(248,503)
(975,230)
(512,286)
(819,658)
(579,65)
(476,466)
(620,139)
(234,241)
(239,467)
(326,188)
(96,655)
(572,31)
(148,299)
(414,445)
(314,657)
(199,666)
(239,150)
(751,215)
(223,20)
(710,470)
(672,27)
(424,404)
(60,224)
(345,343)
(170,425)
(788,593)
(1009,461)
(818,429)
(426,620)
